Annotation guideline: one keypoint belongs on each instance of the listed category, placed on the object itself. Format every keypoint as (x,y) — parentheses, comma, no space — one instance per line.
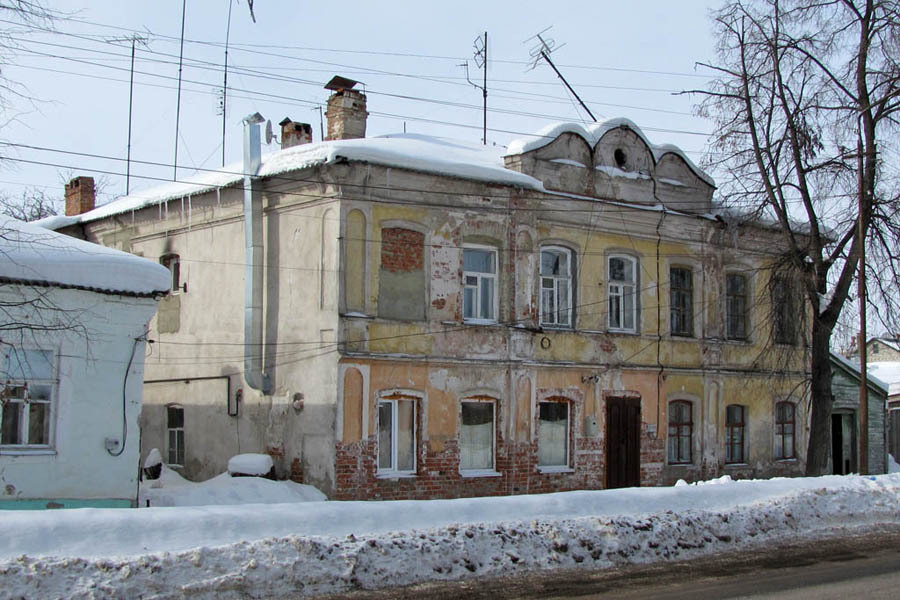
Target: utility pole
(225,79)
(134,39)
(543,50)
(178,102)
(863,367)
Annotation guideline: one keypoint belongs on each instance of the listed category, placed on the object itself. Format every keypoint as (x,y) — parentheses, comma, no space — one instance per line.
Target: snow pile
(322,547)
(171,489)
(32,254)
(250,464)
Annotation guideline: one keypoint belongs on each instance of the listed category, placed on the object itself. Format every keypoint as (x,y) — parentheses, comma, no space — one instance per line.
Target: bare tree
(32,205)
(805,100)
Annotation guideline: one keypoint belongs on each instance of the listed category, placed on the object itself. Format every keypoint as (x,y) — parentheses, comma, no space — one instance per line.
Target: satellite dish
(269,135)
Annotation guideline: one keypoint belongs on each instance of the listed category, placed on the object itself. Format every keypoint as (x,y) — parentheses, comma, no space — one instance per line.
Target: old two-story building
(413,317)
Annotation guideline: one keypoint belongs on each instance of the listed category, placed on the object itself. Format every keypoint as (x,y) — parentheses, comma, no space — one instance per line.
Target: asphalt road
(861,566)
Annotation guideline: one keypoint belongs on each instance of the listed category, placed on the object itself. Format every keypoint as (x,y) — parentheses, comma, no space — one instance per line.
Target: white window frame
(557,282)
(169,431)
(616,289)
(477,287)
(566,464)
(482,471)
(20,404)
(393,470)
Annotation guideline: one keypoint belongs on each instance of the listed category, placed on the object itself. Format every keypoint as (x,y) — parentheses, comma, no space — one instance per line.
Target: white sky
(624,59)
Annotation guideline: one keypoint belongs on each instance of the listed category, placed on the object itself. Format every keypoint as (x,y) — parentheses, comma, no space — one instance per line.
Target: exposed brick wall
(402,250)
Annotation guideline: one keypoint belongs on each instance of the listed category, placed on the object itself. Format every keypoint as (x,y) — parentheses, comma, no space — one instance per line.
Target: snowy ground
(313,548)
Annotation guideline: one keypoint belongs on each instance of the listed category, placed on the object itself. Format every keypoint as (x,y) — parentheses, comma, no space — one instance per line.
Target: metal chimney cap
(254,119)
(340,83)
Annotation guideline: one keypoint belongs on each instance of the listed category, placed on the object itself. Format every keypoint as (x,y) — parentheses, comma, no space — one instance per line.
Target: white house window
(396,435)
(621,291)
(476,436)
(480,284)
(175,429)
(556,286)
(26,398)
(553,434)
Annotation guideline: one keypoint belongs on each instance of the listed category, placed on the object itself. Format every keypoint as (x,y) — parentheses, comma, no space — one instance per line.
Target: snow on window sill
(395,475)
(11,451)
(738,465)
(480,473)
(626,331)
(356,315)
(556,469)
(681,464)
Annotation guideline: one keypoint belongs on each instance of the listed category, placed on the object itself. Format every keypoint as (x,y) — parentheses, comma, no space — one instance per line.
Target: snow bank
(29,253)
(171,489)
(322,547)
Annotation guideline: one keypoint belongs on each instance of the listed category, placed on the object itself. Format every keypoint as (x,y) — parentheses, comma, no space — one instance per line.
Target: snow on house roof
(34,255)
(888,372)
(409,151)
(592,134)
(891,343)
(872,374)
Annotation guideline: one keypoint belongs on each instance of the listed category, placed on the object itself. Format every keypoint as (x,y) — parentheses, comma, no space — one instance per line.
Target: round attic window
(620,157)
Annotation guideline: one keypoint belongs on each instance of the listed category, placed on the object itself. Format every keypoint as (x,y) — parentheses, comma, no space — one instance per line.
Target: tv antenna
(542,51)
(481,61)
(135,40)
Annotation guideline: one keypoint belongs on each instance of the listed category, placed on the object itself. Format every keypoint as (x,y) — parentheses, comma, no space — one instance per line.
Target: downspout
(253,277)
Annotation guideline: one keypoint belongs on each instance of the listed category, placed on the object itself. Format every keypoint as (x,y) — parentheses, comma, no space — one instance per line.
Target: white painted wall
(92,359)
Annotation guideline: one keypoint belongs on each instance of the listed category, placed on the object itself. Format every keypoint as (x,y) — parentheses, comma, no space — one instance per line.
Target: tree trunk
(819,446)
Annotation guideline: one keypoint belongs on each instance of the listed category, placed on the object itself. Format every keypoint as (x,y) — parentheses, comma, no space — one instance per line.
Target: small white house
(73,323)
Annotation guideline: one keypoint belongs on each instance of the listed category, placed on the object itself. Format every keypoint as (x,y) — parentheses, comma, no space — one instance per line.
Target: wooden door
(623,442)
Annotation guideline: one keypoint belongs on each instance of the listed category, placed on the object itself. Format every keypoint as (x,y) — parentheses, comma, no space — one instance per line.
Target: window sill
(555,469)
(27,451)
(394,475)
(356,315)
(786,460)
(479,473)
(622,331)
(682,465)
(479,322)
(737,465)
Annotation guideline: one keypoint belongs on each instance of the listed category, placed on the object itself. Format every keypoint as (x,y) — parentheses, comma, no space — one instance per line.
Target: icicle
(190,210)
(218,197)
(159,206)
(181,216)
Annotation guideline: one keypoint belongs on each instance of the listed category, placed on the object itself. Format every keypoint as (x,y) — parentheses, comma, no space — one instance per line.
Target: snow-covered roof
(891,343)
(32,254)
(409,151)
(889,372)
(872,375)
(592,134)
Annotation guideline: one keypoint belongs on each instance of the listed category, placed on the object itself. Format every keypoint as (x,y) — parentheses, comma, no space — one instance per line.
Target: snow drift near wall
(308,565)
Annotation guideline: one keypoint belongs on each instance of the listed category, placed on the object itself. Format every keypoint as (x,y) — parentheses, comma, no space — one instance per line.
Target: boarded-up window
(355,262)
(401,291)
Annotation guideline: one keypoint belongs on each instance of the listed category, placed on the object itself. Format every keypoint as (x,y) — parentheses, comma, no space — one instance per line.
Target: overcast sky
(623,58)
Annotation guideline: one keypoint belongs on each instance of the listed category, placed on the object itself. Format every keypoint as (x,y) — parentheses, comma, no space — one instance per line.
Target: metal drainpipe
(253,290)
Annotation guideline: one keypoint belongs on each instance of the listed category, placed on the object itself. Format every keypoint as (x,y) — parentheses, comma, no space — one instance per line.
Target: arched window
(784,431)
(477,434)
(681,431)
(556,286)
(735,433)
(553,433)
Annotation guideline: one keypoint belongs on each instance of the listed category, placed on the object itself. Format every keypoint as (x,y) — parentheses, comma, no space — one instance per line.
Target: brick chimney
(294,133)
(346,111)
(79,196)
